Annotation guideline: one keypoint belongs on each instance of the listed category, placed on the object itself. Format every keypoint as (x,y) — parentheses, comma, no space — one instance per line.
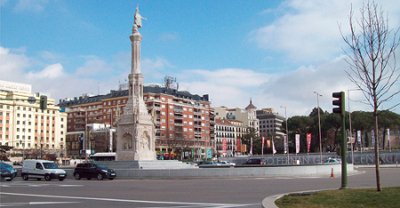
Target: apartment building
(182,120)
(247,116)
(270,123)
(227,137)
(24,126)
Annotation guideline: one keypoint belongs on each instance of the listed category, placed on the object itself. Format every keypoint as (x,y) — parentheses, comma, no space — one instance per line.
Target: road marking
(36,185)
(188,204)
(33,203)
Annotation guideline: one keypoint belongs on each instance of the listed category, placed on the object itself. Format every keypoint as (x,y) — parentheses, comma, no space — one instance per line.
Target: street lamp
(350,129)
(319,125)
(287,136)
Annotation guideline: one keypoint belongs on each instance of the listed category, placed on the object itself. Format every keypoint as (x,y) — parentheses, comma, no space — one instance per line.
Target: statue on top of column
(138,18)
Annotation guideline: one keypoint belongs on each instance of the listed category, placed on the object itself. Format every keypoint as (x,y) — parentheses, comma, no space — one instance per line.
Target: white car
(226,163)
(332,161)
(42,169)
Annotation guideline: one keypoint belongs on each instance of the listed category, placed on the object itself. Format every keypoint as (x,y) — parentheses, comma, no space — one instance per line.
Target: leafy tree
(300,125)
(246,139)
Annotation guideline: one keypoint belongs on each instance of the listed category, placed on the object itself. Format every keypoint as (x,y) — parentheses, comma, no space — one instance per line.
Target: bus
(103,156)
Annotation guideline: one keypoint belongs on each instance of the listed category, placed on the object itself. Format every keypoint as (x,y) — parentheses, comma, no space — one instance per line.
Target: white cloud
(52,79)
(93,67)
(30,5)
(168,37)
(155,69)
(230,87)
(12,62)
(308,30)
(49,72)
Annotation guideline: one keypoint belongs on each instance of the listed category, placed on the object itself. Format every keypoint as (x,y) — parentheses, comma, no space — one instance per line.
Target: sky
(280,54)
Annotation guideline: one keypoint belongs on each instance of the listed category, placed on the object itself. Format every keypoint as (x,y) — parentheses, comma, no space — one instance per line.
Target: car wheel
(25,177)
(99,176)
(89,178)
(110,178)
(47,178)
(77,176)
(61,179)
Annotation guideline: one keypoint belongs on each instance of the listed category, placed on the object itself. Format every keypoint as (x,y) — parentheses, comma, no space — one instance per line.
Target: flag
(273,147)
(262,146)
(251,146)
(285,144)
(238,145)
(373,137)
(388,138)
(308,142)
(297,143)
(268,143)
(359,136)
(224,145)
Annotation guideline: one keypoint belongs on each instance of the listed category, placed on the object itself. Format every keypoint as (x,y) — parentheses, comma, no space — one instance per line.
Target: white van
(42,169)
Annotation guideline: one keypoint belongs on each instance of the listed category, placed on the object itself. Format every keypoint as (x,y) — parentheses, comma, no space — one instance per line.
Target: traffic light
(43,102)
(340,109)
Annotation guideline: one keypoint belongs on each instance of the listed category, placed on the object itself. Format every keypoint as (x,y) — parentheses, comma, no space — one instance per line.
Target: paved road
(182,193)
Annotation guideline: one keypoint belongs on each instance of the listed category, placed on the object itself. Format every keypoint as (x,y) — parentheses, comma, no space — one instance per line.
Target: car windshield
(101,166)
(6,166)
(50,165)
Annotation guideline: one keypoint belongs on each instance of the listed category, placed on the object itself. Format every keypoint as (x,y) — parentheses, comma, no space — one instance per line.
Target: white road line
(33,203)
(216,205)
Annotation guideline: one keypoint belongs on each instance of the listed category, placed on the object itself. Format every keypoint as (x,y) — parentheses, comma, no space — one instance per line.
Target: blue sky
(275,52)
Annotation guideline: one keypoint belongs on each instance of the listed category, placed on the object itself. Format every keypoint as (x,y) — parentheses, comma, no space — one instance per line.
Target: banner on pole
(224,145)
(268,143)
(359,136)
(238,145)
(262,145)
(297,136)
(251,146)
(388,138)
(308,142)
(285,144)
(373,137)
(273,147)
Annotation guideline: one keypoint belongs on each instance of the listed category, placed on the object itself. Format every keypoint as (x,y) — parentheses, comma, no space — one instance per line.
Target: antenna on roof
(169,82)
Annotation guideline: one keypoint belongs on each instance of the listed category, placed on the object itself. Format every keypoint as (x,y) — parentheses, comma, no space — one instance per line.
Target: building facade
(25,127)
(247,116)
(227,133)
(182,120)
(270,123)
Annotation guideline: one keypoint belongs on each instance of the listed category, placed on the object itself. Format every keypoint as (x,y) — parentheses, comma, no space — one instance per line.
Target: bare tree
(372,60)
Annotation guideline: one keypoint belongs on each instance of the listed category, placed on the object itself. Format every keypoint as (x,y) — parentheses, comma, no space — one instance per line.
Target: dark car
(255,161)
(7,171)
(93,170)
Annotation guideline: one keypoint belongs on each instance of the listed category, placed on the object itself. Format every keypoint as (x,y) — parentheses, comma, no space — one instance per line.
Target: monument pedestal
(148,164)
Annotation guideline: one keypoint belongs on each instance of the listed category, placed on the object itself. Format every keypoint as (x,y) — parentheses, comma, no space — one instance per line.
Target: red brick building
(183,121)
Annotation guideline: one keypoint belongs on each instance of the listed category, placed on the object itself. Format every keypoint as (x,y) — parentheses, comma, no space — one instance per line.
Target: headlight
(104,171)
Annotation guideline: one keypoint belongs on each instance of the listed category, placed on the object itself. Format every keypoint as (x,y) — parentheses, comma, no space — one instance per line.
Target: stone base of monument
(148,164)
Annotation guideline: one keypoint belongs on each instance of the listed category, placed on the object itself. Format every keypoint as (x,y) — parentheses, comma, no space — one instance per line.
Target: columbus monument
(135,128)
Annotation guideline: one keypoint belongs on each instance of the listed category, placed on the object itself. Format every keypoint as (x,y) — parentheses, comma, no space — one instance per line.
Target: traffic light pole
(340,109)
(344,152)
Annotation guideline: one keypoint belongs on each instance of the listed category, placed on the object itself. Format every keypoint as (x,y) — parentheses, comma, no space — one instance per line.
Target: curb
(269,202)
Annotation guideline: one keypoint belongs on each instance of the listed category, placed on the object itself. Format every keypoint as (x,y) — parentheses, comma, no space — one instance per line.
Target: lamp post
(287,136)
(23,145)
(41,147)
(319,126)
(350,129)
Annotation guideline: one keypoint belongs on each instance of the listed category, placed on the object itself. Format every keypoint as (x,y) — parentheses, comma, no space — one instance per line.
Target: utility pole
(319,126)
